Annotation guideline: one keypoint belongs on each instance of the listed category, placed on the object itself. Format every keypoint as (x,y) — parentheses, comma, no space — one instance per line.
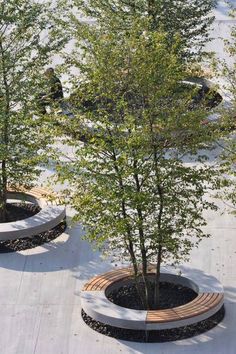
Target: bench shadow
(68,251)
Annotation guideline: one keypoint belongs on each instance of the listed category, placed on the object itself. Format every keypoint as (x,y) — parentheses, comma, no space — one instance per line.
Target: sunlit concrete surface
(221,29)
(40,296)
(40,288)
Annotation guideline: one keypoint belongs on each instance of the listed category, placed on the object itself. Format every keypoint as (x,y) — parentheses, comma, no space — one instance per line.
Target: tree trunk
(142,240)
(3,193)
(157,280)
(159,255)
(159,226)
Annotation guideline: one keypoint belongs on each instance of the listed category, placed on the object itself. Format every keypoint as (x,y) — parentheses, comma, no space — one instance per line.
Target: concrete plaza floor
(40,288)
(40,296)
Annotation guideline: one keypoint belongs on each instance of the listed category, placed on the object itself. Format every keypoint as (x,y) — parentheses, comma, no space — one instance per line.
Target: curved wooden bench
(47,218)
(96,304)
(103,281)
(203,303)
(39,194)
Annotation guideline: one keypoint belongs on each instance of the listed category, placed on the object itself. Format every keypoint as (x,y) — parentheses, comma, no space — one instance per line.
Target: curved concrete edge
(48,217)
(226,103)
(27,197)
(97,306)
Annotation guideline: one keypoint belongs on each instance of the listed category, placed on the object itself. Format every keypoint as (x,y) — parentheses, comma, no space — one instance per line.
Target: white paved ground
(40,290)
(40,297)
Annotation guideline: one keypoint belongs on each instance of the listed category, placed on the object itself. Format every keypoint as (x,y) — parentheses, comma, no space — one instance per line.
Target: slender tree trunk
(5,138)
(159,255)
(142,241)
(3,193)
(159,222)
(157,279)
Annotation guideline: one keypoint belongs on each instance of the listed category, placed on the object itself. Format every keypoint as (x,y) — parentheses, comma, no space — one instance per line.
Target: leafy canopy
(30,33)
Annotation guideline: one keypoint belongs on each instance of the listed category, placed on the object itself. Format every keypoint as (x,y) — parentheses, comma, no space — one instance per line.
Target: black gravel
(20,211)
(171,295)
(26,243)
(160,336)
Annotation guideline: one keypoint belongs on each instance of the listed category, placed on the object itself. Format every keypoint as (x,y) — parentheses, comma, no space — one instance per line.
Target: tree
(226,70)
(128,184)
(190,19)
(29,35)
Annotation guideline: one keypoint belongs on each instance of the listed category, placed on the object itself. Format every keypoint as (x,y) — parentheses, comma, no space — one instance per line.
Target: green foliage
(128,184)
(30,33)
(189,19)
(226,70)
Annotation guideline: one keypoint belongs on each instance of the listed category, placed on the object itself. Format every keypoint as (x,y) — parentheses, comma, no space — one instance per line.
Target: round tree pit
(171,295)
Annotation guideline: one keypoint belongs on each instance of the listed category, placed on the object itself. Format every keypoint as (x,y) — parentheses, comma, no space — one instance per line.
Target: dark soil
(21,211)
(171,295)
(166,335)
(210,98)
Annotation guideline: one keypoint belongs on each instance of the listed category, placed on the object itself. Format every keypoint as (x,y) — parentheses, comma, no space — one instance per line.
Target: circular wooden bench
(47,218)
(95,303)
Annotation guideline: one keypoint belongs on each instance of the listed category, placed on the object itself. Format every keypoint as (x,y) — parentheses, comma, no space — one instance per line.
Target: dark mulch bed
(20,211)
(171,295)
(166,335)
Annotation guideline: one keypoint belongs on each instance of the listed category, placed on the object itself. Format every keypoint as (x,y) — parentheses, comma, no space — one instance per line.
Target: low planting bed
(191,304)
(32,220)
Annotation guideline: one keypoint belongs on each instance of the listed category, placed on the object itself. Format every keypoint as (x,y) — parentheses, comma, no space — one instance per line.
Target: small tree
(129,185)
(29,36)
(190,19)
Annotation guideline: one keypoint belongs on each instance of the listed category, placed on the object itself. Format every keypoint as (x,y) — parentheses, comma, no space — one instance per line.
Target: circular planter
(208,302)
(47,218)
(220,97)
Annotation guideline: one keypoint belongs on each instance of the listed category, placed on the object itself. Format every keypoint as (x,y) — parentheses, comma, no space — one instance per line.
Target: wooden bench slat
(99,278)
(35,191)
(204,302)
(162,316)
(152,314)
(106,282)
(111,275)
(108,277)
(200,298)
(103,282)
(196,312)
